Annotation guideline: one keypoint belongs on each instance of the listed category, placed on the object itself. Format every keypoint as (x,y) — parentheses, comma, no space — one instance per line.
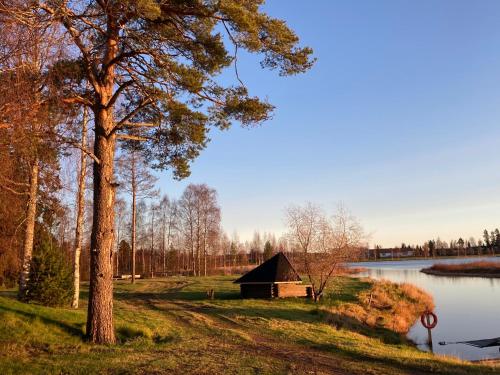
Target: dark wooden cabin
(275,278)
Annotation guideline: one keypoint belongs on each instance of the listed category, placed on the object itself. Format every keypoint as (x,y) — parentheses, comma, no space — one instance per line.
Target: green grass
(168,326)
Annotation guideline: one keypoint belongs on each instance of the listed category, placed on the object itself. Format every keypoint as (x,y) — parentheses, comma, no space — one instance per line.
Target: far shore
(473,269)
(460,274)
(439,257)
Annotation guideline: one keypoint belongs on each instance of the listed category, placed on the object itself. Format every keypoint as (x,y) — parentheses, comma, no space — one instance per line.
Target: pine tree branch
(118,91)
(131,114)
(132,137)
(14,191)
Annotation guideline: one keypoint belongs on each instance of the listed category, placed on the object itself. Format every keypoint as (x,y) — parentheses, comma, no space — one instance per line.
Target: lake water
(468,308)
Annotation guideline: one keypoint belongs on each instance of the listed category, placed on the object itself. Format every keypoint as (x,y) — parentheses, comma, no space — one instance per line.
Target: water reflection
(467,308)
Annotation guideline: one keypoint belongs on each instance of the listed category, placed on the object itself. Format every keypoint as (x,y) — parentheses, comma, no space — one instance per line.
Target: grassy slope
(168,326)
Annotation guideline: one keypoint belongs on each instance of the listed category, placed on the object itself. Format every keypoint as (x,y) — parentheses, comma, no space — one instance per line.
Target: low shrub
(50,280)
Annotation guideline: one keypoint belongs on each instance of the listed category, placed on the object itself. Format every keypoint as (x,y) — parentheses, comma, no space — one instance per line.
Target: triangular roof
(276,269)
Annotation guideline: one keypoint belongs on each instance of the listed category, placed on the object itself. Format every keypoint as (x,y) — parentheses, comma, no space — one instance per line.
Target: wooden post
(429,333)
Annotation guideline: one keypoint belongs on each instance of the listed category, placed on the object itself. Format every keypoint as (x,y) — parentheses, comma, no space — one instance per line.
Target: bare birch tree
(168,212)
(140,183)
(324,244)
(120,212)
(80,203)
(199,216)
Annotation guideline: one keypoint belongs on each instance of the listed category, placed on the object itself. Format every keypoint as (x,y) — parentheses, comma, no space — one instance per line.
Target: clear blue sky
(399,119)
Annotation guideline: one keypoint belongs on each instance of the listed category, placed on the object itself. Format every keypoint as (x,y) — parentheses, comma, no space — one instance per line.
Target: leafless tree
(120,213)
(199,216)
(323,243)
(140,183)
(80,202)
(168,212)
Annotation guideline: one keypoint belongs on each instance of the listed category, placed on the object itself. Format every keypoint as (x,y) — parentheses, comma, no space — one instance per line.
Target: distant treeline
(489,244)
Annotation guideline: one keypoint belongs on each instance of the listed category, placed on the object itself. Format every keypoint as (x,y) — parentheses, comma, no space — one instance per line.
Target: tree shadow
(340,321)
(357,355)
(177,292)
(72,329)
(8,293)
(313,315)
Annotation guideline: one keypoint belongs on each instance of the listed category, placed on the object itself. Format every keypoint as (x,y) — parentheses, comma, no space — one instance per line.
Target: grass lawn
(168,326)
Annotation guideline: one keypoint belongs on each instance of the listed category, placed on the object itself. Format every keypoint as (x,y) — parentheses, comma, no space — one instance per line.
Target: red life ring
(429,319)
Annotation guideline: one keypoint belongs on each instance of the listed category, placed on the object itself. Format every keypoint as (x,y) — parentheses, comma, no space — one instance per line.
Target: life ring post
(429,320)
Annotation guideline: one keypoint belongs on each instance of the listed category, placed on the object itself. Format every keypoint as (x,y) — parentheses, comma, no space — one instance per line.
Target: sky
(398,120)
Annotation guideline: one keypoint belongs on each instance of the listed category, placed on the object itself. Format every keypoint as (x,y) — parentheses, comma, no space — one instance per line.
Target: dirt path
(299,359)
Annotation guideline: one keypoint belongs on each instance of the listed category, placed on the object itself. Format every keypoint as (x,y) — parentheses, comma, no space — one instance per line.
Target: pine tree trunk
(117,252)
(79,215)
(133,233)
(204,259)
(143,262)
(100,308)
(205,263)
(151,258)
(193,260)
(29,229)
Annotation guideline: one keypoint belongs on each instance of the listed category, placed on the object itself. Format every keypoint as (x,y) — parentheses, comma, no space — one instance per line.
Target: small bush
(50,280)
(126,333)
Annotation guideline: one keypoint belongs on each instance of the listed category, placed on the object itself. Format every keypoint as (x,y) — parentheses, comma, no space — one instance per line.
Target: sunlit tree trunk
(29,228)
(79,215)
(164,257)
(143,261)
(151,260)
(134,220)
(100,308)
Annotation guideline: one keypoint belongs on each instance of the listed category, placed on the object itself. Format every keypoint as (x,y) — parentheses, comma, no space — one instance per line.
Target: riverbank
(472,269)
(444,257)
(169,326)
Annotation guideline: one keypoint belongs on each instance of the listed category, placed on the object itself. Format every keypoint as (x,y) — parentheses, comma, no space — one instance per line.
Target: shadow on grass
(340,321)
(176,292)
(126,334)
(419,366)
(314,315)
(74,330)
(8,293)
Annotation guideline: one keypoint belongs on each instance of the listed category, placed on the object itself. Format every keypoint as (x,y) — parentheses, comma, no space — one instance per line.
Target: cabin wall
(275,290)
(291,290)
(256,290)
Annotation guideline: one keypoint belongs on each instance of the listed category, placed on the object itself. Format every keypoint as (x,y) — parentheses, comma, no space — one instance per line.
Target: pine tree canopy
(156,64)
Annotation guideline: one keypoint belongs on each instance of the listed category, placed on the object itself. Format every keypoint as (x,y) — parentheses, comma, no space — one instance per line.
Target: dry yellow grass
(472,268)
(385,305)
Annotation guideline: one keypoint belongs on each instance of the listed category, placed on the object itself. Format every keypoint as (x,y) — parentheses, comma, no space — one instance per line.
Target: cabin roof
(276,269)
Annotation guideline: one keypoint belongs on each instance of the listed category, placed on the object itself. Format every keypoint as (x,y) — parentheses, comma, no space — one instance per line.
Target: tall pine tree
(152,70)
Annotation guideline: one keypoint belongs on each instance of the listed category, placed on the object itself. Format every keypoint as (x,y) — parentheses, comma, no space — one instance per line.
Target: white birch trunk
(79,215)
(29,229)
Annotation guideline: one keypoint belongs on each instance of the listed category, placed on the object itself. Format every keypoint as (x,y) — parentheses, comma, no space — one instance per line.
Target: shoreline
(460,274)
(423,258)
